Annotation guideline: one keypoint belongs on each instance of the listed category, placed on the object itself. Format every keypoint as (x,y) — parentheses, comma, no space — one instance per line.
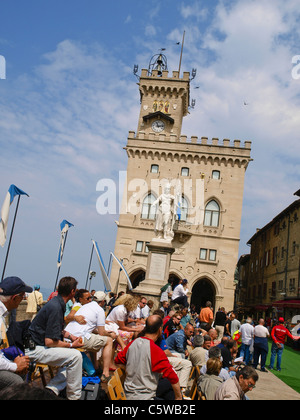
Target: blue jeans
(276,351)
(245,353)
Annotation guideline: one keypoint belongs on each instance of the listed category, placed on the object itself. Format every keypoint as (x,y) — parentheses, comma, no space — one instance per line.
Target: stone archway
(137,277)
(203,291)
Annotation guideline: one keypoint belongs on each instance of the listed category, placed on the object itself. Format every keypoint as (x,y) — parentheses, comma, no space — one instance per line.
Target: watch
(158,126)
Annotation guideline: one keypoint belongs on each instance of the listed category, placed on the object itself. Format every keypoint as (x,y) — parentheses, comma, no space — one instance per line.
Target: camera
(28,342)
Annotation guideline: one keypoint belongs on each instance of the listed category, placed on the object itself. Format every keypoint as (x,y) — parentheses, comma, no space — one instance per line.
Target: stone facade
(270,275)
(211,176)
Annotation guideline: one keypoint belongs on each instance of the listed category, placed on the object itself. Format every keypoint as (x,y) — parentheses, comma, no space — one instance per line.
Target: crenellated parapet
(164,147)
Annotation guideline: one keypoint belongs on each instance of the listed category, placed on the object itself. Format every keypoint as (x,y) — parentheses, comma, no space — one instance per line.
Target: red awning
(287,303)
(262,307)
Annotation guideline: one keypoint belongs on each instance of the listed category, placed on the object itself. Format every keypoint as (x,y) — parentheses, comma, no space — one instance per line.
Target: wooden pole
(11,235)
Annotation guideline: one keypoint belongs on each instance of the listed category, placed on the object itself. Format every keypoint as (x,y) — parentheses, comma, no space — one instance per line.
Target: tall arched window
(212,214)
(149,212)
(182,211)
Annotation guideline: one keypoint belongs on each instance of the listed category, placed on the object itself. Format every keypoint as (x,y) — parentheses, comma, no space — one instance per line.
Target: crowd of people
(91,333)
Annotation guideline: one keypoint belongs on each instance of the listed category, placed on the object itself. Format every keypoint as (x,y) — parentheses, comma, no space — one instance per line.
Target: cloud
(245,55)
(195,11)
(63,128)
(150,31)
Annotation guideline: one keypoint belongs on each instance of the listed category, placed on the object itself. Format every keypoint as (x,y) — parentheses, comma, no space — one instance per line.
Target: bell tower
(164,99)
(207,178)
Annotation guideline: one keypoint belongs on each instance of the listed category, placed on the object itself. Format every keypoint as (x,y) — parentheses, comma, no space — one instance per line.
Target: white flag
(102,268)
(64,226)
(122,268)
(12,192)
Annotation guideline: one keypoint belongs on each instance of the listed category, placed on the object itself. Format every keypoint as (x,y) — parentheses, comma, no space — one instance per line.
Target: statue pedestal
(158,267)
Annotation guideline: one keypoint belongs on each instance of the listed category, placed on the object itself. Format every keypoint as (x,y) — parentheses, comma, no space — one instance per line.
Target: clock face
(158,126)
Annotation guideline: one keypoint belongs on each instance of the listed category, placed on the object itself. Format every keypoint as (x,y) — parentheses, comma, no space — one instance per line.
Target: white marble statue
(166,215)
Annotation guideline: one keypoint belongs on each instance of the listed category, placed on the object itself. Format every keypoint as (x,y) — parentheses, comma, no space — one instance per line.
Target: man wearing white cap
(94,316)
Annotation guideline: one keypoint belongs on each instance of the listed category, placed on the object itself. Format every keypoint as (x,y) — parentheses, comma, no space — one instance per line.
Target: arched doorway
(137,277)
(203,290)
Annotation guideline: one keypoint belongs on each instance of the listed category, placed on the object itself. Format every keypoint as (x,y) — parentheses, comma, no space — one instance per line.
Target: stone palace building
(206,177)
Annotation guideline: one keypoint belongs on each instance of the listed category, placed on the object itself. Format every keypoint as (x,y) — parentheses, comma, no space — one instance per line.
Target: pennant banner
(12,192)
(122,268)
(106,281)
(64,226)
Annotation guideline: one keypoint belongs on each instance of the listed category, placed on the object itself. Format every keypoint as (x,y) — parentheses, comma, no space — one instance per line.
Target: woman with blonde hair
(210,382)
(118,319)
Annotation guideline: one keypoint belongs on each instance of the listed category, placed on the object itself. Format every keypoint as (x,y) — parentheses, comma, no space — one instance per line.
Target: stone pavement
(269,387)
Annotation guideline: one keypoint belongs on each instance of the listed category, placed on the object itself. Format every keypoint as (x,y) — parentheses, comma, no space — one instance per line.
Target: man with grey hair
(235,388)
(247,332)
(12,291)
(215,352)
(198,356)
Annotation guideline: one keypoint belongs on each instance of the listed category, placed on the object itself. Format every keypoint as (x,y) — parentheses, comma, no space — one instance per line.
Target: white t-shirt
(136,314)
(261,331)
(119,313)
(145,312)
(178,291)
(247,332)
(94,316)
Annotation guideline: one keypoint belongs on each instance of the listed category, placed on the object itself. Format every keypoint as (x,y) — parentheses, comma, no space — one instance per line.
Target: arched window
(212,214)
(182,211)
(149,212)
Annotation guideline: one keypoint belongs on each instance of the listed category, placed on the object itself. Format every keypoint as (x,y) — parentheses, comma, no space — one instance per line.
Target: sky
(70,98)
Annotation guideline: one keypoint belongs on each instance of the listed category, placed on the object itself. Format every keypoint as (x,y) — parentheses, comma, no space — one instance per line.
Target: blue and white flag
(122,268)
(106,281)
(12,192)
(64,227)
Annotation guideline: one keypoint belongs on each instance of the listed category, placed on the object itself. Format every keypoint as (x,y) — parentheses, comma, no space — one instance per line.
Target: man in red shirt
(145,364)
(279,334)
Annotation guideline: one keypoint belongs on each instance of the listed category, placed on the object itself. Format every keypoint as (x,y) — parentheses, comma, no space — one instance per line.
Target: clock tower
(206,177)
(164,99)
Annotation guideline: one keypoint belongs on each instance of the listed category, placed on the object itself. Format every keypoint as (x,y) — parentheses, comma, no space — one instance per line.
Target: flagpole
(109,264)
(181,53)
(58,271)
(87,277)
(11,234)
(118,281)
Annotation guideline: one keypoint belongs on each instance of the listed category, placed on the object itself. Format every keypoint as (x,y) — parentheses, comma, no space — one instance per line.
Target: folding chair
(201,396)
(194,393)
(121,373)
(39,368)
(192,373)
(115,388)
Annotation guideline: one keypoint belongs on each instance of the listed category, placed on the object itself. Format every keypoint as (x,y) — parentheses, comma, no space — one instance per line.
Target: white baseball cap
(99,296)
